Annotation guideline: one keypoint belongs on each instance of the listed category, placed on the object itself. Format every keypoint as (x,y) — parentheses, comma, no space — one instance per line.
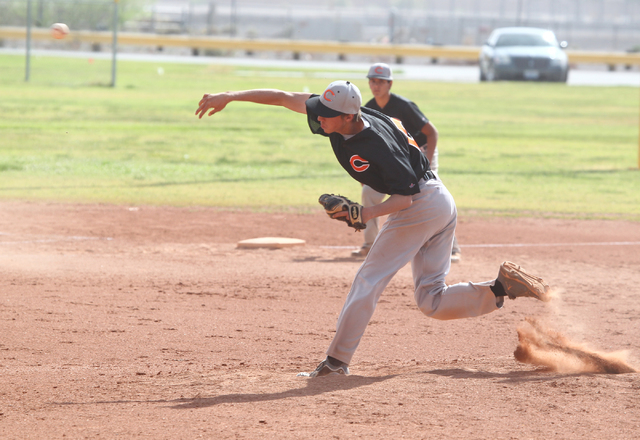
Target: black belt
(428,175)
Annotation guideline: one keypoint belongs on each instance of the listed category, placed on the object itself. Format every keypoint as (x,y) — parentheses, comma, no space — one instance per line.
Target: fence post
(115,43)
(28,54)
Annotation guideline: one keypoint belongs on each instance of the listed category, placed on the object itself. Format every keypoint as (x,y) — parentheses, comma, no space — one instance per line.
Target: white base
(270,242)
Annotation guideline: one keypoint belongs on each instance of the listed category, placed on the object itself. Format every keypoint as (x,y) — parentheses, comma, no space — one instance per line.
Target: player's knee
(429,301)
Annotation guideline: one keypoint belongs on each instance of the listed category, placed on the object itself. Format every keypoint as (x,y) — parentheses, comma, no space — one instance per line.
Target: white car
(523,53)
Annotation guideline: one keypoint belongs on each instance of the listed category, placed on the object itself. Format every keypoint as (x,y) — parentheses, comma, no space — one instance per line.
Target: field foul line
(51,240)
(605,243)
(497,245)
(494,245)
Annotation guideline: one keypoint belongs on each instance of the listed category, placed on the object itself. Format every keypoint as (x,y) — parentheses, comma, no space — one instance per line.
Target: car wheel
(562,77)
(491,74)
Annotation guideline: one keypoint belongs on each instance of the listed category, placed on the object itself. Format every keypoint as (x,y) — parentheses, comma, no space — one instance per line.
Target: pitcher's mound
(270,242)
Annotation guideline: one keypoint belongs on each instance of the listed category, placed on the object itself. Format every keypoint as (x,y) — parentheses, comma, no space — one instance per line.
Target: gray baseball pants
(423,235)
(372,197)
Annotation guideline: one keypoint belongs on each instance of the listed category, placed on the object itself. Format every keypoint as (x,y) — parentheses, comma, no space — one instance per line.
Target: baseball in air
(59,30)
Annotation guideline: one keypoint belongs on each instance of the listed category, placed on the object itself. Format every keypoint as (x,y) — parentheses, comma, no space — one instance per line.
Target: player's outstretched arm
(213,103)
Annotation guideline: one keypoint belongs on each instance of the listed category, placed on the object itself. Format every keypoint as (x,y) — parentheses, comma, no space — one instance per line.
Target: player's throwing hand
(215,102)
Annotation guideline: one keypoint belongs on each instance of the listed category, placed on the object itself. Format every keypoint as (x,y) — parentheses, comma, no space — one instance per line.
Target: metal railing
(469,53)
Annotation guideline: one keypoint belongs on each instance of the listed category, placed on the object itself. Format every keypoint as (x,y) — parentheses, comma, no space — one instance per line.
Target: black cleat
(325,368)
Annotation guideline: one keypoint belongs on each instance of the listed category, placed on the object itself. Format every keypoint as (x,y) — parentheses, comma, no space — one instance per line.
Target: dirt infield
(145,322)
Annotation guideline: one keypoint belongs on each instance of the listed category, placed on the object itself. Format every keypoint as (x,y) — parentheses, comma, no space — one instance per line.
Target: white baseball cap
(381,71)
(339,98)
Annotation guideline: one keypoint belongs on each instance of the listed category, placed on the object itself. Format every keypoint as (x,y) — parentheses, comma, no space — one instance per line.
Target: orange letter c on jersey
(358,163)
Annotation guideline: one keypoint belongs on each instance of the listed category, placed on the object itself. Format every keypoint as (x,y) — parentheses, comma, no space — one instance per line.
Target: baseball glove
(333,204)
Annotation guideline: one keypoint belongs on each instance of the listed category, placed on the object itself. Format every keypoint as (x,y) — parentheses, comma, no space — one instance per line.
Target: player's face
(379,87)
(333,125)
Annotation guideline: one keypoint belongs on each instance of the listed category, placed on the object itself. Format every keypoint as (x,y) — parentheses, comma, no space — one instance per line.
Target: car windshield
(546,39)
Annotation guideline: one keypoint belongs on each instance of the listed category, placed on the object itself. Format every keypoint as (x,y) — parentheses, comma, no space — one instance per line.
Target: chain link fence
(585,24)
(94,15)
(611,25)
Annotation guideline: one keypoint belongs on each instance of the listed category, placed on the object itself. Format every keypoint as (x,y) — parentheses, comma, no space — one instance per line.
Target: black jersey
(408,112)
(381,156)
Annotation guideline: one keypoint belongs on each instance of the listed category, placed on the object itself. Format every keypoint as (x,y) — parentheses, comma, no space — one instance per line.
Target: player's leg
(370,197)
(456,253)
(399,240)
(430,267)
(437,300)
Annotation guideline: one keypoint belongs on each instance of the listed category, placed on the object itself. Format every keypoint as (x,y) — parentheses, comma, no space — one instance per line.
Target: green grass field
(505,148)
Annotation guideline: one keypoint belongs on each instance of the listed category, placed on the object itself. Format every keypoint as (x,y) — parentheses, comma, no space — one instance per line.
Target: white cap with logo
(380,71)
(339,98)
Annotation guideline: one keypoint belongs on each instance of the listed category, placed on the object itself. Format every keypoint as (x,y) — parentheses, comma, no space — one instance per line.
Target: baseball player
(416,123)
(376,151)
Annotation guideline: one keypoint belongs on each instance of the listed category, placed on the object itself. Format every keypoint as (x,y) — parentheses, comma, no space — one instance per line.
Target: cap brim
(320,109)
(386,78)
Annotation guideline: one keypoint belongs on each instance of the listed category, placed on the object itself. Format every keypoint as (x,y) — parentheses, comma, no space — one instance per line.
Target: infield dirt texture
(147,322)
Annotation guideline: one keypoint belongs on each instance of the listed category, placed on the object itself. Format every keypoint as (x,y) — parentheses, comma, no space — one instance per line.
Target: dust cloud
(540,345)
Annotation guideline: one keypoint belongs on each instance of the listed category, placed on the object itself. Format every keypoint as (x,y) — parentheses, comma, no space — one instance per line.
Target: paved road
(581,76)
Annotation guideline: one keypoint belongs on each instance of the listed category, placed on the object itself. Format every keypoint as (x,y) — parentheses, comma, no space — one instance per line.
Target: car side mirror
(564,44)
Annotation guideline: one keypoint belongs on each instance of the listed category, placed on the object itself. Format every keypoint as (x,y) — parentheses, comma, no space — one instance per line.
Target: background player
(416,123)
(376,151)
